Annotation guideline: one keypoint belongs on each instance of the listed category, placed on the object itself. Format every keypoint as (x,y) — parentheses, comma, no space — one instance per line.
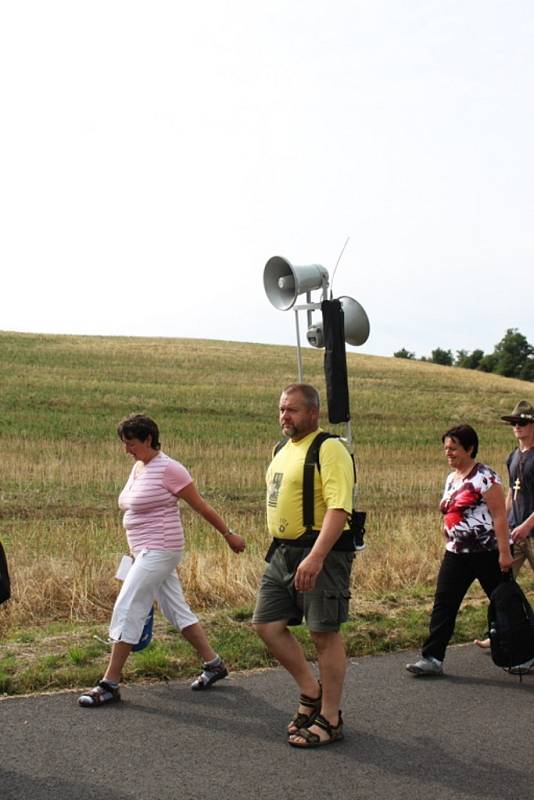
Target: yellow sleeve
(337,475)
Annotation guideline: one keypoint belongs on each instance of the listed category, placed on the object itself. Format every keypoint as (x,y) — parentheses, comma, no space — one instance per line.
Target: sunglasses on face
(520,423)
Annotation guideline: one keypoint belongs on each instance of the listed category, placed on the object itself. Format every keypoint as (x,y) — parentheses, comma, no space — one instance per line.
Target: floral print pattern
(468,524)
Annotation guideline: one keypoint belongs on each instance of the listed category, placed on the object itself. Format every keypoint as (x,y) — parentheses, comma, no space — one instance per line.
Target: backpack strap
(278,446)
(310,462)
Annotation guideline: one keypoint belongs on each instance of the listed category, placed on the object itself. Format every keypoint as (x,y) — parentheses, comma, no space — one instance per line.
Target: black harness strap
(348,540)
(311,461)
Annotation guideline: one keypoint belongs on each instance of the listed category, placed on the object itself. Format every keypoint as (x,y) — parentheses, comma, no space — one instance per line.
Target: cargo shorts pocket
(335,608)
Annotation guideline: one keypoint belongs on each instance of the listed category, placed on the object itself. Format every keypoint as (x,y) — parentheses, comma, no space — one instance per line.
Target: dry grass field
(62,465)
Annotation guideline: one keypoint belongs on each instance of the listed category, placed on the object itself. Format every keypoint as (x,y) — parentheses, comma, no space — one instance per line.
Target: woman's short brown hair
(466,435)
(139,426)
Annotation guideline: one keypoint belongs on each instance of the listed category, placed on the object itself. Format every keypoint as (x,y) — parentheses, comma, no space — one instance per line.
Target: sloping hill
(62,465)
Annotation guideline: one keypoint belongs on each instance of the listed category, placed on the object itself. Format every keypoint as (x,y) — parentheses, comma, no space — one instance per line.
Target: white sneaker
(426,666)
(522,669)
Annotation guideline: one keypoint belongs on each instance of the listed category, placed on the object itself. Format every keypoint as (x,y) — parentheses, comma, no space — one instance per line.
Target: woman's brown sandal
(300,719)
(335,733)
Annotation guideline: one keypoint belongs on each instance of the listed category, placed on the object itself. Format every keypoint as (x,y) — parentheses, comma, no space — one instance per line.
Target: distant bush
(468,360)
(443,357)
(512,357)
(403,353)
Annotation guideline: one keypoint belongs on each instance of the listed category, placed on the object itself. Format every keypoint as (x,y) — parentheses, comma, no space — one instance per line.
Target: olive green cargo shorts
(324,608)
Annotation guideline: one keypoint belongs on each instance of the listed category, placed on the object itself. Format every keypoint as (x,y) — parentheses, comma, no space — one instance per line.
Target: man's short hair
(466,435)
(139,426)
(309,393)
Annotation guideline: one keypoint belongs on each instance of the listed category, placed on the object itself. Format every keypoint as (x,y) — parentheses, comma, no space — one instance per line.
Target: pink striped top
(152,517)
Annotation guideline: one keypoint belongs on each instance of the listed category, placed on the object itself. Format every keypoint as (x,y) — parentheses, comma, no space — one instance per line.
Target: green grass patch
(73,658)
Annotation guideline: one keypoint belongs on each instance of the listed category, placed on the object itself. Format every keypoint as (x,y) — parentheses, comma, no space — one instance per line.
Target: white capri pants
(152,576)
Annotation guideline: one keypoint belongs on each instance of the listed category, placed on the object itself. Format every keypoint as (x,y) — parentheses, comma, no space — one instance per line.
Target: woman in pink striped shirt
(156,540)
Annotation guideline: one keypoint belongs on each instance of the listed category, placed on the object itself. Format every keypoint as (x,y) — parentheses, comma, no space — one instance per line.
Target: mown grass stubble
(216,403)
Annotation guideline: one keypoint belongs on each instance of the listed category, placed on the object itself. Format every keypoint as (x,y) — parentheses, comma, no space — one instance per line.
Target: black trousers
(456,574)
(5,586)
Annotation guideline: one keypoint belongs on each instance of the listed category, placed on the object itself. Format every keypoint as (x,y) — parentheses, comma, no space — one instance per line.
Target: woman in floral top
(476,535)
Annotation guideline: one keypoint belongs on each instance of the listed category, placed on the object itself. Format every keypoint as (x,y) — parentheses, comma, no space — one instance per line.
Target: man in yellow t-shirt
(309,572)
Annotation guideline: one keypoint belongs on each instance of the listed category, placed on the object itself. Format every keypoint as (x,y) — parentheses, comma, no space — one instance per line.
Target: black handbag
(5,585)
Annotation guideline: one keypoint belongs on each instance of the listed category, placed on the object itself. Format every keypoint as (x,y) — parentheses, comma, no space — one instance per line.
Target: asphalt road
(467,735)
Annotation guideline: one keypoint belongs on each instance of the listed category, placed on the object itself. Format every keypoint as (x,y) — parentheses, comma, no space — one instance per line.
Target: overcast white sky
(155,155)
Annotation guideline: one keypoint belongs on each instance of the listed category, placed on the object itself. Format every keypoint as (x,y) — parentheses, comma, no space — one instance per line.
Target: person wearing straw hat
(520,497)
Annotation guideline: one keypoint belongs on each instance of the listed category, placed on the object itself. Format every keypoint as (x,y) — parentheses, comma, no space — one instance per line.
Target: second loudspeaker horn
(356,323)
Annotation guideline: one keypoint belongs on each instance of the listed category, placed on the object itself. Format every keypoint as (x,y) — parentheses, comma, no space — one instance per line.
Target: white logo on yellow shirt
(274,489)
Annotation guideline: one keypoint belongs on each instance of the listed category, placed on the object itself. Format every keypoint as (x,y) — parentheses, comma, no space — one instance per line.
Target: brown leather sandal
(300,719)
(335,733)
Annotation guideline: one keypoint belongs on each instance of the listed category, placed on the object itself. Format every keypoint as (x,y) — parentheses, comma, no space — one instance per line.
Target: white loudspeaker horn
(283,282)
(356,323)
(357,327)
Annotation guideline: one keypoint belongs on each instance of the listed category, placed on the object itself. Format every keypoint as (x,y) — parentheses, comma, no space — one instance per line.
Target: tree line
(512,357)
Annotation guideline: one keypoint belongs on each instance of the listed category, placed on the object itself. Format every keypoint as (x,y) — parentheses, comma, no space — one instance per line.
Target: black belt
(345,543)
